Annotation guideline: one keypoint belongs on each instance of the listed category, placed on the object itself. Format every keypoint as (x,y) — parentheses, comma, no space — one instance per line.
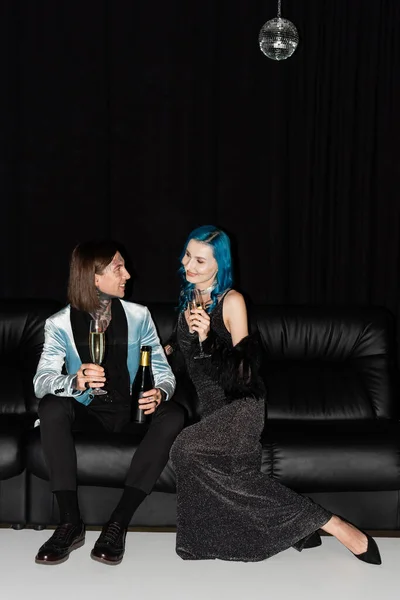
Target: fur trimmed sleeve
(235,368)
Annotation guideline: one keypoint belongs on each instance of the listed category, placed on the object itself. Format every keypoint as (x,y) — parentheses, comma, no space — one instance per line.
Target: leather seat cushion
(12,431)
(303,456)
(338,457)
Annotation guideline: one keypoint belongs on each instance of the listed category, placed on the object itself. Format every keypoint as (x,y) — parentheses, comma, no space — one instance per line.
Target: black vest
(115,360)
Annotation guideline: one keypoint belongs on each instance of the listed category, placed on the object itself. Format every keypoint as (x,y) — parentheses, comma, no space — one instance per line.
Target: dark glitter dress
(226,507)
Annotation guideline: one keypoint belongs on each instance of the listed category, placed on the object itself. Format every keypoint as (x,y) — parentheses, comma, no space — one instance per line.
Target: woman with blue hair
(226,507)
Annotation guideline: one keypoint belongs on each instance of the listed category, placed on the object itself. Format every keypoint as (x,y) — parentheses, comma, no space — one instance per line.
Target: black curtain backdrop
(139,120)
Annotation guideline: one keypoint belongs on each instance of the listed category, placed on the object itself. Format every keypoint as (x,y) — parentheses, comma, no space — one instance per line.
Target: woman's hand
(199,321)
(89,375)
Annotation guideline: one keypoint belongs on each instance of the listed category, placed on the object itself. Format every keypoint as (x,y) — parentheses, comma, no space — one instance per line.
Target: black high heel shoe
(371,555)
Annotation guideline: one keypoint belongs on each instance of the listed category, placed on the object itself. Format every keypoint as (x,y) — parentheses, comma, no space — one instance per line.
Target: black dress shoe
(313,541)
(67,537)
(110,546)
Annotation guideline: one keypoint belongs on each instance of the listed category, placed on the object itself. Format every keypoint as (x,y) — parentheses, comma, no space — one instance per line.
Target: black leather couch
(331,431)
(21,341)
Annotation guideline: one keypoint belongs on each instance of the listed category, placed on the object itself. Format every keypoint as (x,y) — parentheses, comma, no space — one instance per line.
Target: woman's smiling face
(199,264)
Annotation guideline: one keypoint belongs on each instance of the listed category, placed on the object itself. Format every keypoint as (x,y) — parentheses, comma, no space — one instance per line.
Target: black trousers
(60,417)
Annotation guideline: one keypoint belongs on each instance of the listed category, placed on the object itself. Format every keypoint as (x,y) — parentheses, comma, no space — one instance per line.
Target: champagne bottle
(143,383)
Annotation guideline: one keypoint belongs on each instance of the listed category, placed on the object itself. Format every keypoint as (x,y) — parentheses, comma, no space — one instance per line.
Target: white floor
(151,570)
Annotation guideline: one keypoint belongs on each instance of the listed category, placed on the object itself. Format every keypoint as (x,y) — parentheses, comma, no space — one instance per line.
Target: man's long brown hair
(88,259)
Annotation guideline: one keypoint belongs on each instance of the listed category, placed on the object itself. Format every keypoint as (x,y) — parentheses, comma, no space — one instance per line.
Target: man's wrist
(163,394)
(74,387)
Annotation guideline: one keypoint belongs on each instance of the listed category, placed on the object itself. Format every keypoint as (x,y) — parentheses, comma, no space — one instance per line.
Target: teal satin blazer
(59,349)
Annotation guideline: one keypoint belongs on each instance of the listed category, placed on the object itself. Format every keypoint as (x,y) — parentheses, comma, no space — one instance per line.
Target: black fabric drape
(141,120)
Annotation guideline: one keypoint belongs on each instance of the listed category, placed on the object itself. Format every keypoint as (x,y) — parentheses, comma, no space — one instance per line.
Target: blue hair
(221,247)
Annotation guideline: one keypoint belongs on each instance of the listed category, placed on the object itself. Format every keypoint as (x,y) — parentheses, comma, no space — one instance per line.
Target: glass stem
(201,346)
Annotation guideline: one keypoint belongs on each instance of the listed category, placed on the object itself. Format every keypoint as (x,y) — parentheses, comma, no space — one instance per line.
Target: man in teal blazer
(66,381)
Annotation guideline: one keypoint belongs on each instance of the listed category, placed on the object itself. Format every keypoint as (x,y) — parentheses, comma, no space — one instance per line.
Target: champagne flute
(97,346)
(196,301)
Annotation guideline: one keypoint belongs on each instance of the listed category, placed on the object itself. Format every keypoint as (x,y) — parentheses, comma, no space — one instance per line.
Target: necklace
(209,289)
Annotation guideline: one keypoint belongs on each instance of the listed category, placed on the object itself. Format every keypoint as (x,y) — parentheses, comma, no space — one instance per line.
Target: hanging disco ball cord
(278,37)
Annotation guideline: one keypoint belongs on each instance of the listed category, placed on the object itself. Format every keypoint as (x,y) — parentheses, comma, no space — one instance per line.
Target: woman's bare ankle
(351,537)
(333,525)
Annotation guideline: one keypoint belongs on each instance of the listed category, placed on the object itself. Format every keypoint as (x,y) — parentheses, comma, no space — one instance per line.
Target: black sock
(129,502)
(68,505)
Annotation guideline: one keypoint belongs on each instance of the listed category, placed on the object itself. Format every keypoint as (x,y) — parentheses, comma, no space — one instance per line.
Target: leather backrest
(318,363)
(164,316)
(21,343)
(334,334)
(327,363)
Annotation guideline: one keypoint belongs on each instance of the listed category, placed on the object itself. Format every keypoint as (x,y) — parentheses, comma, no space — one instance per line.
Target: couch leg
(39,527)
(18,526)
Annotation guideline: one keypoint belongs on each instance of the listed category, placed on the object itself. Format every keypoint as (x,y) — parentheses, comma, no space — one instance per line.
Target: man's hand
(89,375)
(150,400)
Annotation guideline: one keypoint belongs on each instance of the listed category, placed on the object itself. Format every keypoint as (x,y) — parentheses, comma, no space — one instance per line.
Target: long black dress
(226,507)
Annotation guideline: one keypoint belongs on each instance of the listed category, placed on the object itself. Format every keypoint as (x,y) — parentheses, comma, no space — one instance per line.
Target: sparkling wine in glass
(97,346)
(196,301)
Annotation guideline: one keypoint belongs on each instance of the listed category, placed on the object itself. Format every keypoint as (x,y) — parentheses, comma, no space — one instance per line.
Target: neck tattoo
(103,311)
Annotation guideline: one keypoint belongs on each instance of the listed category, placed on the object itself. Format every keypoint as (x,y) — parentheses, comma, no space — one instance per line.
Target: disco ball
(278,38)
